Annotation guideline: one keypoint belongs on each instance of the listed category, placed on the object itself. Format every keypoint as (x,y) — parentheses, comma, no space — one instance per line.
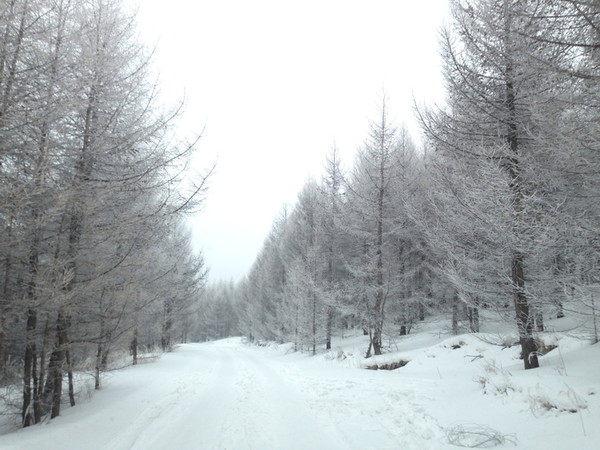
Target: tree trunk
(377,338)
(56,386)
(40,400)
(314,324)
(329,328)
(49,383)
(70,376)
(97,368)
(29,362)
(104,360)
(455,314)
(368,354)
(475,316)
(594,319)
(59,364)
(296,330)
(379,295)
(165,339)
(524,318)
(3,357)
(30,358)
(560,313)
(4,301)
(12,65)
(134,347)
(522,307)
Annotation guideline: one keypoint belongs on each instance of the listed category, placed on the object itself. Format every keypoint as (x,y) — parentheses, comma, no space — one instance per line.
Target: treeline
(94,256)
(499,209)
(216,316)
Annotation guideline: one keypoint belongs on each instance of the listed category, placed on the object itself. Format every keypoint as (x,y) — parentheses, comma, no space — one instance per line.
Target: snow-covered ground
(230,395)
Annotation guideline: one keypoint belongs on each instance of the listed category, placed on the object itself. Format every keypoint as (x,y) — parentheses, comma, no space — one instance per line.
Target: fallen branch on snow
(473,435)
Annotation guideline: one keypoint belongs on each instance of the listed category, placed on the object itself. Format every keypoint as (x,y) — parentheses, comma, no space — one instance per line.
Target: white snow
(231,395)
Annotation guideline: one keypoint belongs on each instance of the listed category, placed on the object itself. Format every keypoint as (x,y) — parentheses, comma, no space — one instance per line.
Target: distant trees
(91,196)
(217,316)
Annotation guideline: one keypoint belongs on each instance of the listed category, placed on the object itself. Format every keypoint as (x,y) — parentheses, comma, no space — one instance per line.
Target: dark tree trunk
(475,317)
(97,368)
(30,357)
(38,399)
(377,339)
(329,328)
(29,362)
(134,347)
(524,317)
(49,384)
(314,324)
(99,352)
(3,357)
(4,301)
(165,339)
(70,376)
(455,314)
(60,361)
(522,307)
(104,361)
(560,313)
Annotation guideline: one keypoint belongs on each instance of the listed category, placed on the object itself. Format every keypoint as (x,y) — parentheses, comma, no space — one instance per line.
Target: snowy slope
(229,395)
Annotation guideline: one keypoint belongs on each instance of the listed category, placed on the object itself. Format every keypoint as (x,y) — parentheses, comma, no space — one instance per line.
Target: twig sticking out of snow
(473,435)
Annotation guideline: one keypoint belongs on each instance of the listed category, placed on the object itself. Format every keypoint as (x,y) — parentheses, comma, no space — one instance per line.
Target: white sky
(276,83)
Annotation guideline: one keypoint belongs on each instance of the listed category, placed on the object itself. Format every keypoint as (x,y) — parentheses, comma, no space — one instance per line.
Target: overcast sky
(274,84)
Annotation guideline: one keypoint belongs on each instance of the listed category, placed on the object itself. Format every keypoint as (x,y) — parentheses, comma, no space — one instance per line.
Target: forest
(497,210)
(95,257)
(492,214)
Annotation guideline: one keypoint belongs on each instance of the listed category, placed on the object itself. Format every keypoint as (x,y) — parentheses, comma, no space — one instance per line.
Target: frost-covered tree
(332,191)
(261,290)
(501,157)
(306,261)
(370,215)
(569,34)
(90,179)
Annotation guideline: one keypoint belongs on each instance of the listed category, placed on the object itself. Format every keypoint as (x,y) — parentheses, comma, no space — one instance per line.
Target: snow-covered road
(227,395)
(227,398)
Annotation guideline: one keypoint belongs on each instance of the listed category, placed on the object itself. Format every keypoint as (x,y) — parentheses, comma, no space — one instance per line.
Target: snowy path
(230,396)
(238,403)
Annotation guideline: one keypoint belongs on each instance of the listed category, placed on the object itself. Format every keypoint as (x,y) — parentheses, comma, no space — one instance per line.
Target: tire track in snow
(273,411)
(152,426)
(219,396)
(239,403)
